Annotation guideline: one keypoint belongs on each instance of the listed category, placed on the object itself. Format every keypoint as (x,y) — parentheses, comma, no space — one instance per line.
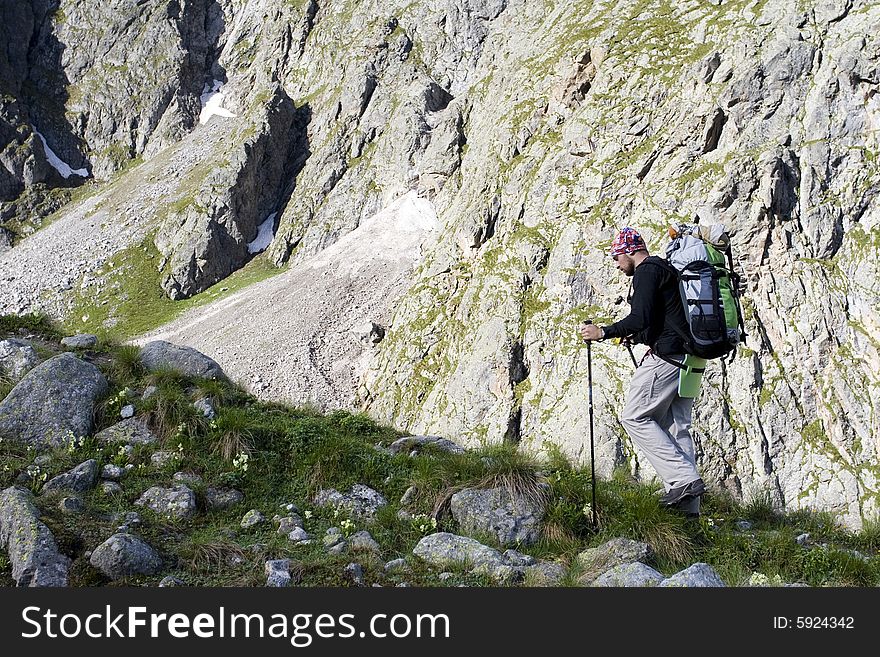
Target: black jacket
(656,309)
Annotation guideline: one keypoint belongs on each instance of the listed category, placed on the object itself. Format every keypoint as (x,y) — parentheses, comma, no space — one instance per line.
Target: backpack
(709,289)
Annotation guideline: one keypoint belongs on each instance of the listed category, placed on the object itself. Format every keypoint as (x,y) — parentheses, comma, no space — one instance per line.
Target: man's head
(628,250)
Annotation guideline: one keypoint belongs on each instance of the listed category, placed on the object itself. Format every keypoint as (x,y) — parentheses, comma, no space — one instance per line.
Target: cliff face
(535,130)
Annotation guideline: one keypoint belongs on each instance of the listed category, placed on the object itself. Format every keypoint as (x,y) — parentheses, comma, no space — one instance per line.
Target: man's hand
(591,332)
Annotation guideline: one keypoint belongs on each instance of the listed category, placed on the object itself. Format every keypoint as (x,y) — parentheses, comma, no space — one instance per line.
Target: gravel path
(300,336)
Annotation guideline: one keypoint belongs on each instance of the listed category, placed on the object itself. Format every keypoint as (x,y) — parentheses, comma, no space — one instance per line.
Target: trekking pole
(631,354)
(592,448)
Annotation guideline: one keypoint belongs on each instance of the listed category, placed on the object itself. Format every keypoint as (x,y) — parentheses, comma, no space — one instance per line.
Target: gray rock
(544,573)
(332,537)
(129,520)
(17,358)
(124,555)
(408,495)
(71,505)
(33,552)
(515,558)
(616,552)
(176,502)
(629,574)
(130,431)
(444,549)
(222,498)
(54,400)
(494,511)
(170,580)
(149,391)
(803,539)
(42,460)
(338,548)
(278,572)
(743,525)
(298,535)
(410,443)
(111,488)
(354,572)
(699,574)
(185,360)
(187,478)
(80,479)
(82,341)
(111,471)
(127,411)
(395,564)
(288,523)
(162,458)
(252,518)
(363,541)
(205,407)
(361,501)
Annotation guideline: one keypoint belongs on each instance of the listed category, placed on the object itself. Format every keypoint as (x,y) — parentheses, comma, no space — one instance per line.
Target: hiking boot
(676,495)
(689,506)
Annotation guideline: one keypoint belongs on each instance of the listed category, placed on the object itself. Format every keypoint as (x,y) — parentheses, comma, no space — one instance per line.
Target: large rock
(78,480)
(616,552)
(176,502)
(699,574)
(629,574)
(417,443)
(218,499)
(32,549)
(81,341)
(361,501)
(495,511)
(124,555)
(17,357)
(186,360)
(54,400)
(130,432)
(443,549)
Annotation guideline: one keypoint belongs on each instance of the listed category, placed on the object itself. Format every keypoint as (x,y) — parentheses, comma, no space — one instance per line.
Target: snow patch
(61,167)
(212,103)
(265,233)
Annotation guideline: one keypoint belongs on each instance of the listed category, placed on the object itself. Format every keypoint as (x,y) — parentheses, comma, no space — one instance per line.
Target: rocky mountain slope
(535,130)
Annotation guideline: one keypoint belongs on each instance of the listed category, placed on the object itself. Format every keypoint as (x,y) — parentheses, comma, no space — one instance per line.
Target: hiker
(656,417)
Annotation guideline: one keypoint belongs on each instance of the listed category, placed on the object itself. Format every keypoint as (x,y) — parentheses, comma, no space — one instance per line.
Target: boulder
(409,443)
(544,573)
(130,431)
(699,574)
(55,400)
(111,471)
(185,360)
(124,555)
(222,498)
(495,511)
(616,552)
(629,574)
(33,552)
(17,357)
(205,406)
(252,518)
(175,502)
(361,501)
(444,549)
(277,572)
(363,541)
(78,480)
(82,341)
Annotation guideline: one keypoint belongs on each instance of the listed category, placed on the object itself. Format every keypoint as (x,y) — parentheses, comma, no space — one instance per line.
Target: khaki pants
(658,420)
